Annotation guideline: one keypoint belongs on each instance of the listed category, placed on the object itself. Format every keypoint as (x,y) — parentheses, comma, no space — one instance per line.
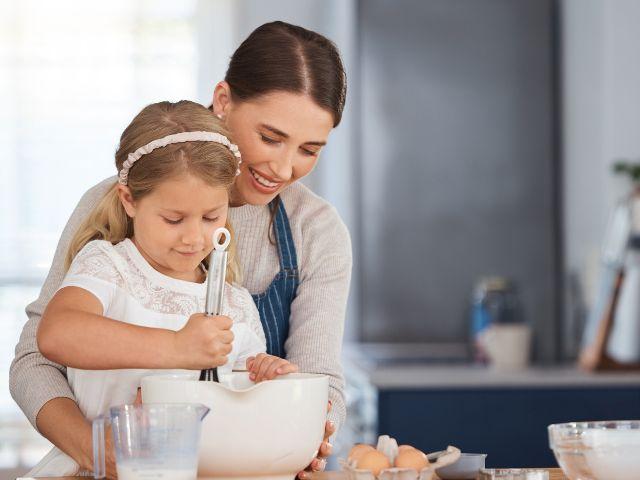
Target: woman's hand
(61,421)
(110,456)
(110,459)
(267,367)
(319,463)
(204,342)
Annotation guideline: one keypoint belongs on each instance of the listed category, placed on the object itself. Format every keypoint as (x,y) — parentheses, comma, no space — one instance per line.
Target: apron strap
(284,238)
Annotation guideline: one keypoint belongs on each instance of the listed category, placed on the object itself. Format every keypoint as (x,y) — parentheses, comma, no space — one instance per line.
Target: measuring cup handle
(99,447)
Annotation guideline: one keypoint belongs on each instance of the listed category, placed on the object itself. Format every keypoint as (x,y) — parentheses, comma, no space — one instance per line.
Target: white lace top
(132,291)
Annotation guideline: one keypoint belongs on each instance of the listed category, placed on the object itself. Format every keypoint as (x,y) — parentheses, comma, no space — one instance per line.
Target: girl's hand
(204,342)
(267,367)
(319,463)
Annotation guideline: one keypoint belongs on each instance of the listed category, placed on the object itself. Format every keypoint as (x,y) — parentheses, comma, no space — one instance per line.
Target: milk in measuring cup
(129,472)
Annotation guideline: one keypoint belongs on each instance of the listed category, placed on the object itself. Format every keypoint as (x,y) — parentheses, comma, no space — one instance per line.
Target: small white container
(467,467)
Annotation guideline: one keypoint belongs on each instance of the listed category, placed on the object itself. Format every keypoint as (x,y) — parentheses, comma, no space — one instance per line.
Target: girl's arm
(252,355)
(74,332)
(267,367)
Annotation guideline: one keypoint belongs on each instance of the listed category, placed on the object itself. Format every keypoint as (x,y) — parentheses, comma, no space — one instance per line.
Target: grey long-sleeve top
(323,247)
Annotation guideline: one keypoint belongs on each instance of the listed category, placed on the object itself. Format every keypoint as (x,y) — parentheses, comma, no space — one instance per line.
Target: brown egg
(358,450)
(374,461)
(402,448)
(411,458)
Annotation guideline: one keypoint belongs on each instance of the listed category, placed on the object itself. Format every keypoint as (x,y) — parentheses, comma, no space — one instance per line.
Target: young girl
(140,259)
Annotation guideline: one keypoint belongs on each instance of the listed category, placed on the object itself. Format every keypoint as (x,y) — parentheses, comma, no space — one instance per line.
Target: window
(73,74)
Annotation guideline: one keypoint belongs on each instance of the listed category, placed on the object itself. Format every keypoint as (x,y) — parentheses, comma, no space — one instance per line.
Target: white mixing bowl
(271,430)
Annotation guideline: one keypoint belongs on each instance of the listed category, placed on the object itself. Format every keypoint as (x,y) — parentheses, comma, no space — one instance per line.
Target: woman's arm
(34,381)
(318,314)
(61,421)
(319,308)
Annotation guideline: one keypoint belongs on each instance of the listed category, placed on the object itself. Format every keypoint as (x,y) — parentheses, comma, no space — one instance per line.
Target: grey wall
(457,163)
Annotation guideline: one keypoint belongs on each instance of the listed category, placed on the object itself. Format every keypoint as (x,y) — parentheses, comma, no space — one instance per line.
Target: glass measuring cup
(151,441)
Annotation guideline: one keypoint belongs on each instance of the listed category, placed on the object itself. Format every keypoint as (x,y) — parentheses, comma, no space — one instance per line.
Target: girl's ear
(124,194)
(221,100)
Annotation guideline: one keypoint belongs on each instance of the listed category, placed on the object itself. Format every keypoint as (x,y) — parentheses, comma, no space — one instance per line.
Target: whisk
(215,286)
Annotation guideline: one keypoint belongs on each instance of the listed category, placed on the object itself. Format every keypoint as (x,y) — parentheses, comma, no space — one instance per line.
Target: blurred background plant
(630,168)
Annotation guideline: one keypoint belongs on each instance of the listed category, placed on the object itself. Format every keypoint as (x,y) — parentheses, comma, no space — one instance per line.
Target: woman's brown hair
(278,56)
(281,57)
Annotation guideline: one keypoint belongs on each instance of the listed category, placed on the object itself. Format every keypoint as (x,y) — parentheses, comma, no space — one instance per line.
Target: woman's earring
(219,115)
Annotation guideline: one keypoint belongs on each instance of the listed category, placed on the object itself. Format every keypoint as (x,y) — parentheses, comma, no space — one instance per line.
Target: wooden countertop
(554,474)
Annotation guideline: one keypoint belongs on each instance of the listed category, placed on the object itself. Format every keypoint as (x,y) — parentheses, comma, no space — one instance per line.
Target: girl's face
(280,136)
(174,224)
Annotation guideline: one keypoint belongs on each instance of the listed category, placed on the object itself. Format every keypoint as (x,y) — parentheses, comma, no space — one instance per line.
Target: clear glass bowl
(608,450)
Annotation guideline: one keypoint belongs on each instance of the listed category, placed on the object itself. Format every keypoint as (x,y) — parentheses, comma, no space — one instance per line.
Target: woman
(282,95)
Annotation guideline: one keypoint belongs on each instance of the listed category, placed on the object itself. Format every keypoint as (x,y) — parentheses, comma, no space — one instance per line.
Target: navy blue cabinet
(507,424)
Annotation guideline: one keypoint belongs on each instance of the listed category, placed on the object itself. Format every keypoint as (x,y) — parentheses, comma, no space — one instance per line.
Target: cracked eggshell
(452,456)
(388,446)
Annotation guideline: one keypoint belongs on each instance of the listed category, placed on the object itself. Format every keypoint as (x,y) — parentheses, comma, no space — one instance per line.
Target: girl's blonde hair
(210,162)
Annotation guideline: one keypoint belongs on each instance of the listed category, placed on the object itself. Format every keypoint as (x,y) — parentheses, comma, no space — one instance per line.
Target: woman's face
(280,136)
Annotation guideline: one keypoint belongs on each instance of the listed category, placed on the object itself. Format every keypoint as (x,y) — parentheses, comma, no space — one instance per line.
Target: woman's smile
(280,136)
(264,183)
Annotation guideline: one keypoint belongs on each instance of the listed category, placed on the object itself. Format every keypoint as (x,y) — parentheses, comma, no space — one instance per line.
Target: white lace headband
(176,138)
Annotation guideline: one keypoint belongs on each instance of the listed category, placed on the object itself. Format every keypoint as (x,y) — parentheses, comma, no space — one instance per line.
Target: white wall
(601,110)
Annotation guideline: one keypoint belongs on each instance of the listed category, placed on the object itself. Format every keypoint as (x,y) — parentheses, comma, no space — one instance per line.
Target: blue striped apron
(274,304)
